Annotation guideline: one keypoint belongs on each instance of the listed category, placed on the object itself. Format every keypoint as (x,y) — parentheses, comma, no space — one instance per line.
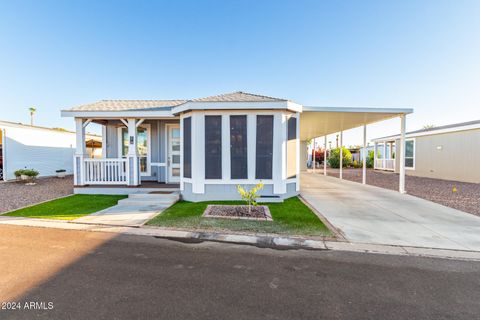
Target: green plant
(334,158)
(30,173)
(357,164)
(18,172)
(250,196)
(370,159)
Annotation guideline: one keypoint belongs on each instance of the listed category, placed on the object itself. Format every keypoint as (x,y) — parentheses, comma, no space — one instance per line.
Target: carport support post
(341,154)
(402,154)
(364,155)
(325,158)
(313,155)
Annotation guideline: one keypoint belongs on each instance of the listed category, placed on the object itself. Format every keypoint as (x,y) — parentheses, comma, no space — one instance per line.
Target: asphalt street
(63,274)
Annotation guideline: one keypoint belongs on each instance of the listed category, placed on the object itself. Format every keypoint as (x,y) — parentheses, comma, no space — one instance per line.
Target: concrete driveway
(369,214)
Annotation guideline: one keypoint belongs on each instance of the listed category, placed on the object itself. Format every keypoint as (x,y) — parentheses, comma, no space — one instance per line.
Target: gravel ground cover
(238,212)
(466,198)
(14,195)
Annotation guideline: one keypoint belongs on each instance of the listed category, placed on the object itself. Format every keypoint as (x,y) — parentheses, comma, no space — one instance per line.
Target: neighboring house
(206,147)
(43,149)
(447,152)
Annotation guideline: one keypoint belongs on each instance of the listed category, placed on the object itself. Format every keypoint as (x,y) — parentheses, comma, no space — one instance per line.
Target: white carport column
(80,153)
(341,154)
(325,157)
(401,186)
(132,155)
(313,155)
(364,155)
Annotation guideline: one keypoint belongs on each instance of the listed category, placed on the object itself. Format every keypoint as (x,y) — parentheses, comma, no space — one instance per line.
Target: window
(213,147)
(291,147)
(187,147)
(238,147)
(410,154)
(264,147)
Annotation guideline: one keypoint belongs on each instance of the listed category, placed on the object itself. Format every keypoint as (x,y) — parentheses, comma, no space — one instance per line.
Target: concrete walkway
(367,214)
(133,211)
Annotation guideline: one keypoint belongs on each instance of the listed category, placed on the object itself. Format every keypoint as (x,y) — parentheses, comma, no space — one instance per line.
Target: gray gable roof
(152,105)
(238,96)
(126,105)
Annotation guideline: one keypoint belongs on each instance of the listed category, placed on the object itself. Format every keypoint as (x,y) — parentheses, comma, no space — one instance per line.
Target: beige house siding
(448,156)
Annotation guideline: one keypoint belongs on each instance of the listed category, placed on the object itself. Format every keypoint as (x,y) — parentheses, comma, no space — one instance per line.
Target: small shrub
(30,173)
(250,196)
(370,159)
(334,158)
(18,173)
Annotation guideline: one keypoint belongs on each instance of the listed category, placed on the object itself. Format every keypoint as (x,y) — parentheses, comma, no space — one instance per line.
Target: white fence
(105,171)
(385,164)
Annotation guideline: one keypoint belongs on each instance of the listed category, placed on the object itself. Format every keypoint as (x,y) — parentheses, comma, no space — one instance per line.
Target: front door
(173,153)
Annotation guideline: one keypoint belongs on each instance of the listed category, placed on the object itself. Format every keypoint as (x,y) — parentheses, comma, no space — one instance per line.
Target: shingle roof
(126,105)
(238,96)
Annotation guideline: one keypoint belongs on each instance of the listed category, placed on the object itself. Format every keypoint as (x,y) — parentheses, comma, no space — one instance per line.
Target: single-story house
(448,152)
(205,147)
(43,149)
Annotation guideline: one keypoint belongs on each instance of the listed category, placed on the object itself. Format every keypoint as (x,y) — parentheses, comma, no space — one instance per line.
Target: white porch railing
(385,164)
(105,171)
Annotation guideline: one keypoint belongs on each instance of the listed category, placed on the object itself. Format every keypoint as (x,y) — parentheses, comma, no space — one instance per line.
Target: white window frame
(413,157)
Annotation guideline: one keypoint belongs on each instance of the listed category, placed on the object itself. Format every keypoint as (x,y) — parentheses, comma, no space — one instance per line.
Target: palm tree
(32,113)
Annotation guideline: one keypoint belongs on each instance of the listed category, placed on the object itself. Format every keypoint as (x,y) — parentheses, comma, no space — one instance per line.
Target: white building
(43,149)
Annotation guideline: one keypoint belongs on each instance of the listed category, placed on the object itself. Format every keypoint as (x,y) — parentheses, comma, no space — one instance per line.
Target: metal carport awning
(321,121)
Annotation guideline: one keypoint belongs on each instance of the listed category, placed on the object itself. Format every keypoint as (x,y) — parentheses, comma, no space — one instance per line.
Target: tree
(32,110)
(334,158)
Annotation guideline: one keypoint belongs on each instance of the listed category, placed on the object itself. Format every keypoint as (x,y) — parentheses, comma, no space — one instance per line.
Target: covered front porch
(137,153)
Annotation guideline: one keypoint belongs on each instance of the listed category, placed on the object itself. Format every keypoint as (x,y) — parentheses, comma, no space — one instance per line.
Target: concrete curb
(262,241)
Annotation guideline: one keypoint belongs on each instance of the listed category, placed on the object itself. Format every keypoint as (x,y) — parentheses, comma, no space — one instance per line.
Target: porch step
(146,199)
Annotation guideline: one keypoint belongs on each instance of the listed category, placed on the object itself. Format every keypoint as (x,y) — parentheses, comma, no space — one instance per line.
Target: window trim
(412,157)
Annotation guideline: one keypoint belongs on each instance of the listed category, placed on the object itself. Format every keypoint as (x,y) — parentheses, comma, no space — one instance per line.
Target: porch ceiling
(320,121)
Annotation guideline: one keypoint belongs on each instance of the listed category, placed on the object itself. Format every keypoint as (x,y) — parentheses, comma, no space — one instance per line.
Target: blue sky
(420,54)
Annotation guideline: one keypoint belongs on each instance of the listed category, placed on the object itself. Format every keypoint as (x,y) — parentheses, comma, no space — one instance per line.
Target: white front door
(173,153)
(143,146)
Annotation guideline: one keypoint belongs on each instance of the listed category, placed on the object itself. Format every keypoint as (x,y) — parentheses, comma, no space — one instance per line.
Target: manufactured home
(448,152)
(205,147)
(43,149)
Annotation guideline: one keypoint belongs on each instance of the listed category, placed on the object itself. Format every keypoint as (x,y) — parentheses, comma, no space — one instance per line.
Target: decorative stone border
(208,210)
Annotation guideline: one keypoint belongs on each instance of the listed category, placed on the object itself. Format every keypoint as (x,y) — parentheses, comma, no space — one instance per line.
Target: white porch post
(104,141)
(384,154)
(364,155)
(341,154)
(325,157)
(132,155)
(402,154)
(80,153)
(375,152)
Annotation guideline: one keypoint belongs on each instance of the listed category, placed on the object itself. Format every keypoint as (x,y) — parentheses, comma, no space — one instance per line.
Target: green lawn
(291,217)
(68,208)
